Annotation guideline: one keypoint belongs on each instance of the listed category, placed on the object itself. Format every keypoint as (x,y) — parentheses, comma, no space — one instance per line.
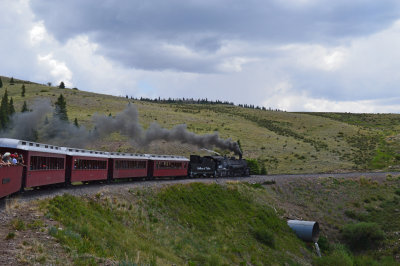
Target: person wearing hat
(7,158)
(14,159)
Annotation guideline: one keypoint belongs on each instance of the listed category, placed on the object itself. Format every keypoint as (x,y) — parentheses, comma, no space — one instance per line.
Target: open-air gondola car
(168,166)
(86,165)
(45,163)
(10,180)
(128,165)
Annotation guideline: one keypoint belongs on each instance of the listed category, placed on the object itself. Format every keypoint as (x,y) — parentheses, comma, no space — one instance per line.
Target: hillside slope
(284,142)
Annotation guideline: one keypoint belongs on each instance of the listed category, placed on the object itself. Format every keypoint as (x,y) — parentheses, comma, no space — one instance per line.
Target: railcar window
(169,165)
(80,164)
(46,163)
(130,164)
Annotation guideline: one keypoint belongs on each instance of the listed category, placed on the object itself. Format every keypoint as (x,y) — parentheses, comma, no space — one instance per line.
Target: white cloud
(233,64)
(94,72)
(179,50)
(58,70)
(37,33)
(314,56)
(285,98)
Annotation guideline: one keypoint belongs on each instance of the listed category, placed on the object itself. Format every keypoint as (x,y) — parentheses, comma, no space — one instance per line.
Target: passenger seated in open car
(2,163)
(20,159)
(7,159)
(14,159)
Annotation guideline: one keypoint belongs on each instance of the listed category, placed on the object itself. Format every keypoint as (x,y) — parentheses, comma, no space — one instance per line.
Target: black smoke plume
(40,123)
(181,134)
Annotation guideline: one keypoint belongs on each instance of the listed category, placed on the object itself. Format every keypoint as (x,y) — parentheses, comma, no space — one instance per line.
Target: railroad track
(124,186)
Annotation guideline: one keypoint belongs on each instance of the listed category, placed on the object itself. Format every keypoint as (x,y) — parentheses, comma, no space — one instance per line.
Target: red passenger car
(86,165)
(168,166)
(45,164)
(10,180)
(125,165)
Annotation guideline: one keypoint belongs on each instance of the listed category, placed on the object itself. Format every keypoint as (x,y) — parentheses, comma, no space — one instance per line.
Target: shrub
(324,244)
(263,170)
(18,224)
(338,257)
(254,166)
(36,224)
(356,215)
(10,235)
(362,235)
(264,236)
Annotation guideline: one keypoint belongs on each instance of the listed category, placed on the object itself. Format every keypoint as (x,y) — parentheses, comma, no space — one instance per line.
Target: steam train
(47,165)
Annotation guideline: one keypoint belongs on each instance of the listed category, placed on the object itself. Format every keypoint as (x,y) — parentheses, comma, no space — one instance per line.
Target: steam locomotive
(47,165)
(217,166)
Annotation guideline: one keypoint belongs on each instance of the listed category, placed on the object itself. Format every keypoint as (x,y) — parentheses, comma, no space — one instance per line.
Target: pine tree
(4,110)
(76,122)
(11,109)
(62,85)
(263,170)
(61,108)
(24,108)
(23,90)
(1,83)
(12,81)
(239,144)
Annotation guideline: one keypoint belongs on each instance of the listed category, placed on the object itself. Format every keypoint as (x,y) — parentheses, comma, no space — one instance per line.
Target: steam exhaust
(41,123)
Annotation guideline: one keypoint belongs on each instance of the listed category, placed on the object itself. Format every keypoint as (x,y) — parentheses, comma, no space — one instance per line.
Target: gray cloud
(131,31)
(282,53)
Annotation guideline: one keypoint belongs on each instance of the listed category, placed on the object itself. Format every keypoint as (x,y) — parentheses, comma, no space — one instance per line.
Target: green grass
(18,225)
(283,142)
(362,213)
(183,224)
(363,235)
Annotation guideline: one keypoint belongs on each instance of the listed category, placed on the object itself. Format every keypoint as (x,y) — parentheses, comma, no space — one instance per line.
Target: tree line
(200,101)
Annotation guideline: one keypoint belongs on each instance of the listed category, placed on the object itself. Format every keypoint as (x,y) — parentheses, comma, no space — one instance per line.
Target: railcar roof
(83,152)
(167,157)
(34,146)
(29,146)
(122,155)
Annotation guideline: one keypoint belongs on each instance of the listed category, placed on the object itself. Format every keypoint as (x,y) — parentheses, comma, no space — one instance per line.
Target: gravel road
(91,189)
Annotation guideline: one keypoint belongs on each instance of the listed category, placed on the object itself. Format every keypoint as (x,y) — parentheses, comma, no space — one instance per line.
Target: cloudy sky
(296,55)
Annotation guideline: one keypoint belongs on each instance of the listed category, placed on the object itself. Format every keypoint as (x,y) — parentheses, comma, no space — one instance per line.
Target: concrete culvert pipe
(305,230)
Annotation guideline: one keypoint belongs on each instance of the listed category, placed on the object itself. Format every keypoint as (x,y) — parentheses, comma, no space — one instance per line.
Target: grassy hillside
(284,142)
(359,217)
(232,223)
(192,224)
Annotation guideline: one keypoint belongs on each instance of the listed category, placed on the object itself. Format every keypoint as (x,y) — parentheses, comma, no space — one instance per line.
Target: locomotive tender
(49,165)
